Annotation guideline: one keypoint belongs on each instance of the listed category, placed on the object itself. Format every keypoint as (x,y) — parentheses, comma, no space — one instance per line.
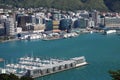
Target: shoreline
(8,40)
(54,38)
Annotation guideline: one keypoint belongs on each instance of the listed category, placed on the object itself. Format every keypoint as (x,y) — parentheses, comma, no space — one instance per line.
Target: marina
(35,67)
(48,36)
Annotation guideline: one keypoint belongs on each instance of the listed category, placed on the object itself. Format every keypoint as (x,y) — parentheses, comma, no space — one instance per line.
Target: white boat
(36,67)
(110,31)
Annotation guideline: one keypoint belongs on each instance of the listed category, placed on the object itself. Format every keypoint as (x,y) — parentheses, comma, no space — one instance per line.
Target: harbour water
(102,52)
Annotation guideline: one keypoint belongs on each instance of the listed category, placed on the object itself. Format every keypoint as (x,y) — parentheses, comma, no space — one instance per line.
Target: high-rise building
(23,20)
(95,17)
(48,25)
(9,26)
(102,22)
(65,24)
(2,30)
(91,23)
(33,19)
(81,23)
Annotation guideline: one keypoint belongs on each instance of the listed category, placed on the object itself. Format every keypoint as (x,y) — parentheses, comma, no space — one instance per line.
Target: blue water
(102,52)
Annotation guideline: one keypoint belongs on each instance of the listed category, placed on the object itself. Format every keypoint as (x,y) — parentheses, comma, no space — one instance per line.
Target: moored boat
(37,67)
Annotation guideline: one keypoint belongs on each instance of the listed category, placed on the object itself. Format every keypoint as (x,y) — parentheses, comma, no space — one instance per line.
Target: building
(1,11)
(95,17)
(102,22)
(56,24)
(23,19)
(2,30)
(18,30)
(112,22)
(56,16)
(9,27)
(39,20)
(65,24)
(48,25)
(91,23)
(80,23)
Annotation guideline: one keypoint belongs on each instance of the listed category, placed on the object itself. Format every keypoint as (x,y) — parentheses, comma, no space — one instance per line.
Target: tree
(115,74)
(13,77)
(26,78)
(4,77)
(59,4)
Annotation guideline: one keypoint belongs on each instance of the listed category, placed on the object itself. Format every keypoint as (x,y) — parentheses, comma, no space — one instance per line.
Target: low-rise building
(112,22)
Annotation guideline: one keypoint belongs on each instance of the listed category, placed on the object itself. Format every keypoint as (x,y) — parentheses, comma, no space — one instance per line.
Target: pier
(37,67)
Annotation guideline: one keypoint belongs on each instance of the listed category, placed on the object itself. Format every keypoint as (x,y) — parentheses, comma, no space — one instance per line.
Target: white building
(112,22)
(91,24)
(1,10)
(18,30)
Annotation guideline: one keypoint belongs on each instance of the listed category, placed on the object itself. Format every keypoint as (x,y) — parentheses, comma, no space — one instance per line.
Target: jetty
(37,67)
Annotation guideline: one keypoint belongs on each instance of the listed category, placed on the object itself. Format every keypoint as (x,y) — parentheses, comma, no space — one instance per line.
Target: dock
(37,67)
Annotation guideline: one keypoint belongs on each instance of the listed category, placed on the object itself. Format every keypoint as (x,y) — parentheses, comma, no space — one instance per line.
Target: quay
(37,67)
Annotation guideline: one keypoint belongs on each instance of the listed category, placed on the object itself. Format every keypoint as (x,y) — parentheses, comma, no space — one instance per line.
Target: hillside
(112,5)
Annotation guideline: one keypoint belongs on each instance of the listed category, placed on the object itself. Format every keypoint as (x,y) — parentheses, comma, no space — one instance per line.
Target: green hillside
(112,5)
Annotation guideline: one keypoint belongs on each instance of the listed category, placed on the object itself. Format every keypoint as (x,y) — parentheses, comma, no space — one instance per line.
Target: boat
(70,35)
(110,31)
(37,67)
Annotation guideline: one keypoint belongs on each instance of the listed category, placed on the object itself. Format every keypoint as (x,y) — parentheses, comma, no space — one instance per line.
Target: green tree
(13,77)
(59,4)
(26,78)
(113,5)
(115,74)
(4,77)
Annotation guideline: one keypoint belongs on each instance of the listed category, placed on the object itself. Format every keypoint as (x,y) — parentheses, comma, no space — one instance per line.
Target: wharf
(38,67)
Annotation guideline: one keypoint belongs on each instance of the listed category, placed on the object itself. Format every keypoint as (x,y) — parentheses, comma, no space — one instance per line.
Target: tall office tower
(23,20)
(48,25)
(102,21)
(33,19)
(9,27)
(80,23)
(96,17)
(65,24)
(2,30)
